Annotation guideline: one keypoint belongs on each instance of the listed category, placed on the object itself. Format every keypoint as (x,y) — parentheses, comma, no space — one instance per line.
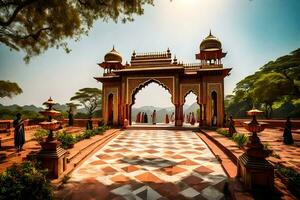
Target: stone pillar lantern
(52,156)
(253,168)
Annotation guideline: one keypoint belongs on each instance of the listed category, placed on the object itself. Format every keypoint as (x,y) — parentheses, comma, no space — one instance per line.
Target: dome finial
(210,32)
(113,47)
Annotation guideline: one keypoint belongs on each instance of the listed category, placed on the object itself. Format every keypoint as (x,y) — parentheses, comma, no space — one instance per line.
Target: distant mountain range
(161,112)
(60,107)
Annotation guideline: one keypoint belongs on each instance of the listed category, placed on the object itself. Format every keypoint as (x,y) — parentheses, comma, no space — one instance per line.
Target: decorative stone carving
(185,89)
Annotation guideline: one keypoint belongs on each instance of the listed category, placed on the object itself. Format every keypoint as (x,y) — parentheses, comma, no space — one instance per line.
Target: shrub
(67,140)
(270,151)
(40,134)
(293,178)
(25,181)
(87,134)
(101,129)
(240,139)
(222,131)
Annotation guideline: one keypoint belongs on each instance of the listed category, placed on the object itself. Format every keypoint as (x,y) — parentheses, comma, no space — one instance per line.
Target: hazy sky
(253,32)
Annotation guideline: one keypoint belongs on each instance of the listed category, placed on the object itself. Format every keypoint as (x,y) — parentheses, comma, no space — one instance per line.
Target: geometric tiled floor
(150,164)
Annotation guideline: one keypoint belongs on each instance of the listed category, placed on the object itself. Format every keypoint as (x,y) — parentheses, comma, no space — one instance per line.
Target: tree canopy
(9,89)
(274,85)
(36,25)
(90,98)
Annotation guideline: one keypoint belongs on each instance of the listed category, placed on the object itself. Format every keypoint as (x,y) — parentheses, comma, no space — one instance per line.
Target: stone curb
(98,144)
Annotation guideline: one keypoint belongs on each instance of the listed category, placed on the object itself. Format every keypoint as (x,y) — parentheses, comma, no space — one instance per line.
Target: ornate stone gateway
(205,79)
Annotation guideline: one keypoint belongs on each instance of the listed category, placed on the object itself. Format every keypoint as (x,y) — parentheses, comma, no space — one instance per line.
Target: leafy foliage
(40,134)
(36,25)
(222,131)
(9,89)
(277,82)
(240,139)
(26,180)
(90,98)
(66,139)
(292,177)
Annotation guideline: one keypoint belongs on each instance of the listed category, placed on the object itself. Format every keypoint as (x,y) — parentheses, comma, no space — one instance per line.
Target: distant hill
(192,108)
(16,107)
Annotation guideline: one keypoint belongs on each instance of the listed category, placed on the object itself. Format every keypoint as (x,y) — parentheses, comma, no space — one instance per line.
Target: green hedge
(68,140)
(25,181)
(222,131)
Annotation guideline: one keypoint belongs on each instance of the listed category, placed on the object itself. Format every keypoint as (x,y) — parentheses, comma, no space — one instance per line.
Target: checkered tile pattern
(155,164)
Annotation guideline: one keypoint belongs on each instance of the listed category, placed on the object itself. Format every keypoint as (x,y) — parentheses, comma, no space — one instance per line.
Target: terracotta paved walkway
(288,153)
(149,164)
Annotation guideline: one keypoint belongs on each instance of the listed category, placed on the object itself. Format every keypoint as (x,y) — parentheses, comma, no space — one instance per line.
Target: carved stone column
(204,121)
(201,117)
(178,115)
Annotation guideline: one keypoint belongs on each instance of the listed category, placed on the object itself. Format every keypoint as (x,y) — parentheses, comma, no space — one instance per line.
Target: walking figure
(19,132)
(287,134)
(232,129)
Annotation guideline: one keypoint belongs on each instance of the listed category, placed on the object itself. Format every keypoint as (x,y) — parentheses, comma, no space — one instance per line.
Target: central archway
(147,97)
(191,110)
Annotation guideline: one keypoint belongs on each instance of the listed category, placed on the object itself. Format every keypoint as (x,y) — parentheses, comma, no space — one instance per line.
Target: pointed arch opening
(214,108)
(110,109)
(191,110)
(152,105)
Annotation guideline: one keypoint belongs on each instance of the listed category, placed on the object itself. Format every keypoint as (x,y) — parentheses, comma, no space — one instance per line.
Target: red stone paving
(172,170)
(203,170)
(188,162)
(32,146)
(120,179)
(130,168)
(148,177)
(288,153)
(155,175)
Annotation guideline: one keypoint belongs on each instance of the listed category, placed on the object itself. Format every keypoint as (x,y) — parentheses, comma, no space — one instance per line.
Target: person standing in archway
(193,119)
(167,119)
(141,118)
(154,117)
(172,117)
(143,115)
(138,117)
(146,118)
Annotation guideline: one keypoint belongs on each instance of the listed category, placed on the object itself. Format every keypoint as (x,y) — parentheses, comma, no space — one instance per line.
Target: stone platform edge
(89,150)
